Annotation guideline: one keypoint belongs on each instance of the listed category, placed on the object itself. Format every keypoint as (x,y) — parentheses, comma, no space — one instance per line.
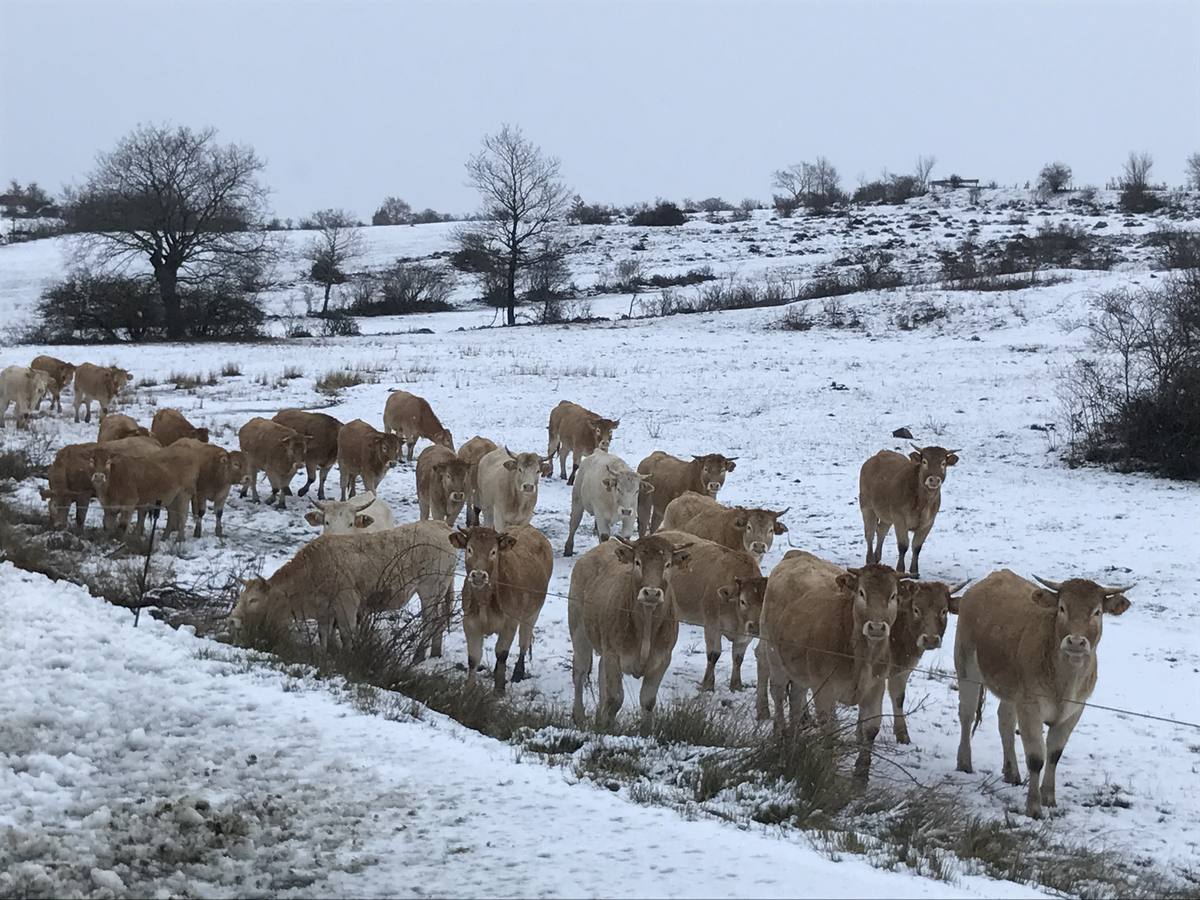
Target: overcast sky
(352,101)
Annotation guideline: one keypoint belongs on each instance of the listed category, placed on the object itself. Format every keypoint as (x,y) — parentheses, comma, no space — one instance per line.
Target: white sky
(352,101)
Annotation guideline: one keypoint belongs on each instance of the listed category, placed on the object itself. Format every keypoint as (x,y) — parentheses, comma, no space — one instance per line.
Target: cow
(24,388)
(1035,649)
(441,484)
(320,446)
(737,527)
(826,629)
(366,453)
(70,477)
(99,383)
(920,625)
(471,453)
(169,425)
(219,471)
(116,426)
(672,476)
(412,418)
(508,488)
(905,491)
(364,512)
(607,488)
(721,590)
(161,481)
(621,606)
(336,577)
(503,592)
(272,448)
(579,431)
(61,373)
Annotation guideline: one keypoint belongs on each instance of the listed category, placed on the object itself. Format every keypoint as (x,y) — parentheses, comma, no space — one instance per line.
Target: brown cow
(737,527)
(920,625)
(170,425)
(472,452)
(621,605)
(905,491)
(99,383)
(1035,649)
(412,418)
(503,592)
(320,446)
(70,476)
(672,476)
(579,431)
(163,481)
(722,591)
(219,471)
(117,426)
(365,452)
(61,374)
(272,448)
(441,484)
(826,629)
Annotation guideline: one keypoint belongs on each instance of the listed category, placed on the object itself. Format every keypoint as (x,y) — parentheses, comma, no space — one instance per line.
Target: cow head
(745,596)
(452,475)
(932,463)
(654,560)
(602,430)
(876,592)
(200,434)
(252,603)
(625,485)
(526,469)
(67,373)
(341,516)
(388,448)
(713,468)
(1081,605)
(42,382)
(445,438)
(118,378)
(929,605)
(758,528)
(237,466)
(483,547)
(294,446)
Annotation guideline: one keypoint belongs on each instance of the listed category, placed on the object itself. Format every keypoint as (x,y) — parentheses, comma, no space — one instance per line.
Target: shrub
(959,264)
(338,379)
(582,213)
(795,319)
(221,312)
(1136,195)
(1176,248)
(1054,178)
(785,206)
(339,324)
(403,289)
(1057,246)
(663,214)
(714,204)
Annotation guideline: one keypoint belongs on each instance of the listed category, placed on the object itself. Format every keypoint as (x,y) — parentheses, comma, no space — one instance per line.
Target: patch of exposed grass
(339,379)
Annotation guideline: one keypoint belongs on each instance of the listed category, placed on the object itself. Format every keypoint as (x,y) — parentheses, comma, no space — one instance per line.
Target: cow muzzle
(528,488)
(928,642)
(713,487)
(457,497)
(625,513)
(876,631)
(933,482)
(650,596)
(758,547)
(1076,648)
(752,629)
(478,577)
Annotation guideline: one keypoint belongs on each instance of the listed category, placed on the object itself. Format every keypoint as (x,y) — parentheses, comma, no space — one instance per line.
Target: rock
(902,433)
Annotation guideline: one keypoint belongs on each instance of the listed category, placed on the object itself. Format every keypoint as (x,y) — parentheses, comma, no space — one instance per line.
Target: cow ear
(915,457)
(740,523)
(730,465)
(780,528)
(1043,598)
(680,557)
(624,552)
(847,581)
(1116,604)
(726,593)
(459,539)
(609,484)
(907,589)
(362,520)
(440,468)
(953,605)
(951,458)
(646,487)
(511,465)
(507,541)
(314,517)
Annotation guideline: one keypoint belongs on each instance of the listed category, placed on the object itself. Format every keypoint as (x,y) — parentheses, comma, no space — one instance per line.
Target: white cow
(508,488)
(23,387)
(360,514)
(607,488)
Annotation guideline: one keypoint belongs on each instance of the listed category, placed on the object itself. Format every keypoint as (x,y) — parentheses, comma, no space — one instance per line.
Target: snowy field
(801,410)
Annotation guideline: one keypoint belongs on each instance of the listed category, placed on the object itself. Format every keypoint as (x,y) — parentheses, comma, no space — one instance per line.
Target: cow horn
(1119,589)
(682,547)
(509,452)
(957,450)
(362,501)
(1055,586)
(782,512)
(319,504)
(915,447)
(731,458)
(954,589)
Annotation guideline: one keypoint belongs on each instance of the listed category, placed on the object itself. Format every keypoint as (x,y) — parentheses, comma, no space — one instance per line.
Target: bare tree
(1193,171)
(523,197)
(816,185)
(190,206)
(924,169)
(1135,176)
(338,242)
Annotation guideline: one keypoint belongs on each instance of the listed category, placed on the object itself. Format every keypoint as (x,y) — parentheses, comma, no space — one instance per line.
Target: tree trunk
(168,289)
(325,305)
(511,290)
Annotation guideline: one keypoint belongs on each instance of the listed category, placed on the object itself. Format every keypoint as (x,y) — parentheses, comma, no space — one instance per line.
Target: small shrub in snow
(405,288)
(664,213)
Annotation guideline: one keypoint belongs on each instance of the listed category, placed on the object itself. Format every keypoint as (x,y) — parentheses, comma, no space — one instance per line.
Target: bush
(785,206)
(1176,248)
(663,214)
(582,213)
(1054,178)
(339,324)
(404,289)
(1055,246)
(714,204)
(221,312)
(894,189)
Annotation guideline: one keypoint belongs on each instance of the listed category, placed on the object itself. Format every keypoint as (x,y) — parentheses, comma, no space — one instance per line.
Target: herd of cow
(845,635)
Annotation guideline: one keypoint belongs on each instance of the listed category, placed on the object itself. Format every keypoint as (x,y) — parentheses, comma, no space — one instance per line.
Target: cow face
(483,547)
(452,476)
(602,430)
(625,486)
(42,382)
(237,466)
(294,446)
(252,603)
(390,448)
(745,596)
(713,469)
(118,378)
(929,606)
(758,528)
(341,516)
(445,438)
(200,434)
(654,561)
(526,469)
(932,463)
(876,592)
(1079,619)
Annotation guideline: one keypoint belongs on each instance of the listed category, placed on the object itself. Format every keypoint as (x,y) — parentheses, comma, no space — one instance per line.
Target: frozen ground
(801,410)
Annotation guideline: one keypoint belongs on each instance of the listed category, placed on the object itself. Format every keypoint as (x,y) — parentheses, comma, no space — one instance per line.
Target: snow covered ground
(802,410)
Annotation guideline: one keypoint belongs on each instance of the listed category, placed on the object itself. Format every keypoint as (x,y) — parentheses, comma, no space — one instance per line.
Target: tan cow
(116,426)
(25,388)
(441,484)
(219,471)
(336,577)
(366,453)
(70,476)
(579,431)
(920,625)
(671,477)
(412,418)
(503,593)
(905,491)
(1035,649)
(320,446)
(508,488)
(621,606)
(721,590)
(607,488)
(737,527)
(99,383)
(472,452)
(170,425)
(272,448)
(162,481)
(61,373)
(825,629)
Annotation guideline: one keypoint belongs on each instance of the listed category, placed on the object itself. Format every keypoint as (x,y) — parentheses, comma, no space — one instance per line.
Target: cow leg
(763,666)
(81,508)
(324,473)
(612,690)
(473,631)
(1034,742)
(345,479)
(253,485)
(648,696)
(310,472)
(581,670)
(918,543)
(576,518)
(970,695)
(870,712)
(562,459)
(643,513)
(897,683)
(278,486)
(712,646)
(740,643)
(423,503)
(869,523)
(199,504)
(901,545)
(504,640)
(412,442)
(431,605)
(520,673)
(656,518)
(574,466)
(779,682)
(1056,741)
(1006,719)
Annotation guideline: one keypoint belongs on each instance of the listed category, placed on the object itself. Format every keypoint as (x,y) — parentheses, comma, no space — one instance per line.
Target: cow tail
(979,710)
